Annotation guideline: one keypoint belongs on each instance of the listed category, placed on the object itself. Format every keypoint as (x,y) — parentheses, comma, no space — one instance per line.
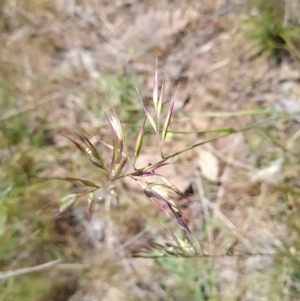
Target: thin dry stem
(37,268)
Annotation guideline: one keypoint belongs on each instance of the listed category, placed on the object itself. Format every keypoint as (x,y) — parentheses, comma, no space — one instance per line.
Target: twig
(8,274)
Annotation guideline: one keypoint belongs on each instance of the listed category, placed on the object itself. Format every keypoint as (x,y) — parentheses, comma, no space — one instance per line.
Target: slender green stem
(216,130)
(232,131)
(191,147)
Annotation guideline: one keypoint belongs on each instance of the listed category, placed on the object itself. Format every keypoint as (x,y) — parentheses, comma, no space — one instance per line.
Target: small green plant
(123,88)
(273,34)
(22,230)
(194,279)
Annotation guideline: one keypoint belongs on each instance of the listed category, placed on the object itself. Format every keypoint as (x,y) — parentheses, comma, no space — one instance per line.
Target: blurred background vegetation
(232,63)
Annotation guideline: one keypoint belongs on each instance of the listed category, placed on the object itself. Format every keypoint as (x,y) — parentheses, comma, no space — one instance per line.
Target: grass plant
(275,33)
